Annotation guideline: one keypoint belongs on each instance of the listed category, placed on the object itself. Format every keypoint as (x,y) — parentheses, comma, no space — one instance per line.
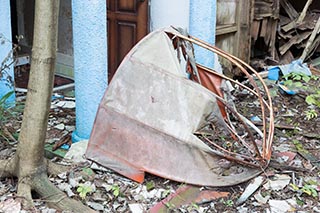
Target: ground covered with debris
(290,183)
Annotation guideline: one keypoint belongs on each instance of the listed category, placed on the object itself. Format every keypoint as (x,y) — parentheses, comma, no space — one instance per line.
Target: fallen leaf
(278,182)
(137,208)
(260,198)
(281,206)
(251,188)
(10,205)
(210,195)
(96,206)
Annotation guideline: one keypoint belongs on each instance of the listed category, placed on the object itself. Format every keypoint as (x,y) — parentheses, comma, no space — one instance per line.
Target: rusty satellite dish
(159,108)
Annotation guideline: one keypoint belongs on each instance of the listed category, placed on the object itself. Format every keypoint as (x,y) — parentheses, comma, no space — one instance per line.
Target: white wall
(164,13)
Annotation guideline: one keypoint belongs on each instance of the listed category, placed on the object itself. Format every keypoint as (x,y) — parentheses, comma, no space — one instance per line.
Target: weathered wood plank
(272,44)
(264,27)
(287,58)
(294,40)
(269,31)
(308,49)
(304,12)
(292,13)
(255,29)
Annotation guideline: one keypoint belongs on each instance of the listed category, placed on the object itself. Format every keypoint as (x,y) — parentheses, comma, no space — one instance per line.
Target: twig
(64,140)
(279,166)
(307,50)
(279,126)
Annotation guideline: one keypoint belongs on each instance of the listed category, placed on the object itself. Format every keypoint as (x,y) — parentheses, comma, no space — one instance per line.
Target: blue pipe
(90,62)
(203,26)
(5,48)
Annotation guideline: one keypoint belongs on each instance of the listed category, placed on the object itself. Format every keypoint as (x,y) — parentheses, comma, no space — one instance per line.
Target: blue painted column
(203,26)
(90,62)
(5,48)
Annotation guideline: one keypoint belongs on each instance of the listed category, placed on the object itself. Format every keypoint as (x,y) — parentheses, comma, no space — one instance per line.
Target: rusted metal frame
(182,43)
(227,151)
(232,158)
(244,125)
(235,82)
(238,62)
(242,121)
(227,154)
(266,141)
(244,143)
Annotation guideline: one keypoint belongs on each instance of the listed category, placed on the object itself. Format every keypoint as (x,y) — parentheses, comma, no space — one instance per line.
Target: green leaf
(294,187)
(298,84)
(300,202)
(310,99)
(166,193)
(5,98)
(83,190)
(150,185)
(288,83)
(312,182)
(306,78)
(88,171)
(297,77)
(115,190)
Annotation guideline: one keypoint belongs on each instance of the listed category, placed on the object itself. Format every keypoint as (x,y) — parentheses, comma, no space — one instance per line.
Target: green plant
(228,203)
(195,206)
(8,61)
(170,206)
(300,77)
(165,193)
(297,80)
(309,188)
(311,114)
(8,112)
(314,99)
(83,190)
(150,185)
(3,106)
(115,190)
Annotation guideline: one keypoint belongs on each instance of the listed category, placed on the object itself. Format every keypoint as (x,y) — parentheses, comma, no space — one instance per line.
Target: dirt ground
(290,183)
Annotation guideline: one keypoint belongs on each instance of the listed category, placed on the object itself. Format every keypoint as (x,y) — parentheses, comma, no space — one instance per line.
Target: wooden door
(233,28)
(127,24)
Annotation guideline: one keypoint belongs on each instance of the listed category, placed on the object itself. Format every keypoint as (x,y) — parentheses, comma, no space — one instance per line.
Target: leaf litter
(286,183)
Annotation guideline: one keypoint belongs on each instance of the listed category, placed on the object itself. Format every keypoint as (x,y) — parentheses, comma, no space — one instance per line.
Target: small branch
(283,167)
(279,126)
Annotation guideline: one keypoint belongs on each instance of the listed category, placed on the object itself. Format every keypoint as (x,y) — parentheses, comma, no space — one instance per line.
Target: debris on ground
(151,119)
(118,194)
(284,33)
(291,182)
(250,189)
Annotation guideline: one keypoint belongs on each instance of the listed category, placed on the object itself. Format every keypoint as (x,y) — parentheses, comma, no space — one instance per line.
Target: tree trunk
(29,164)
